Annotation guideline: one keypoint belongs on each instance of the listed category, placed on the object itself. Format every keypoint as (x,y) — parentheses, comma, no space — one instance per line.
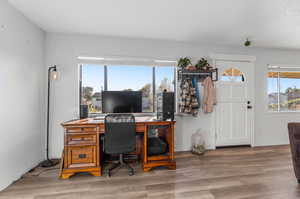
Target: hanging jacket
(188,100)
(209,95)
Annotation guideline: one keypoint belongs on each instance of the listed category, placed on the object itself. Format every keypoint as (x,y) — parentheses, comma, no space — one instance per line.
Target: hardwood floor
(232,173)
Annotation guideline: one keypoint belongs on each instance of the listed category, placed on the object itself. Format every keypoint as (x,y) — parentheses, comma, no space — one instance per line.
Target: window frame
(231,79)
(277,70)
(153,66)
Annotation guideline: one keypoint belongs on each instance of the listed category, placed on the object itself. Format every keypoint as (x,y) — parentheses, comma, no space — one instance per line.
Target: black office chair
(120,138)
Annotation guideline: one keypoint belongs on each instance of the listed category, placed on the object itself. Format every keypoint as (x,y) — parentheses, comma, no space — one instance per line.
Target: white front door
(234,111)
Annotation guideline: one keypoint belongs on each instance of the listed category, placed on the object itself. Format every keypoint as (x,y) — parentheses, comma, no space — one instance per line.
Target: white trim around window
(108,64)
(279,96)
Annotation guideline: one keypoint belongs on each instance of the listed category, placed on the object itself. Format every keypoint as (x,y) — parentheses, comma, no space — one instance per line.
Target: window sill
(282,113)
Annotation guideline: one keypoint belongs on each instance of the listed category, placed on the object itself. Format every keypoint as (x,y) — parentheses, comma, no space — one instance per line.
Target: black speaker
(84,111)
(166,105)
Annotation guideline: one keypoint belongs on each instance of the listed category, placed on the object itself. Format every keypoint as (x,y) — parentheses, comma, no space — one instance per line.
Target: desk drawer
(81,139)
(81,129)
(85,156)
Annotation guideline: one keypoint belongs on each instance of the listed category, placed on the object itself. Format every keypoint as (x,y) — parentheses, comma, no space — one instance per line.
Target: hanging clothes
(209,95)
(188,100)
(195,81)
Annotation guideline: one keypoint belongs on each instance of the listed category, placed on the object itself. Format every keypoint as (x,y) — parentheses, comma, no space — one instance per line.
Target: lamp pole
(48,162)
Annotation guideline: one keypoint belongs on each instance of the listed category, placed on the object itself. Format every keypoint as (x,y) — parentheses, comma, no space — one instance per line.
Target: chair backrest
(120,134)
(294,136)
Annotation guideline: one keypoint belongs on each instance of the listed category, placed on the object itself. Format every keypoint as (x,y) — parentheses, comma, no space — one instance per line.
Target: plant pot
(191,68)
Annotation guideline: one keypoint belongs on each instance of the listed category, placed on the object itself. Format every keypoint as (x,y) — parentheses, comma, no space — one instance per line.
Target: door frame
(234,58)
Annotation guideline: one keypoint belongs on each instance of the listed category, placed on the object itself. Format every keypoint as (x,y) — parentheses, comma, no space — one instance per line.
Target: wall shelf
(201,74)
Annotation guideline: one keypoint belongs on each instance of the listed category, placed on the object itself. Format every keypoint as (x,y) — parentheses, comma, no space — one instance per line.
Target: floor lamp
(52,75)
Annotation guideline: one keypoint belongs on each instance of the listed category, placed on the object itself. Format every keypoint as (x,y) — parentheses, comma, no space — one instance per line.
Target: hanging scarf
(195,85)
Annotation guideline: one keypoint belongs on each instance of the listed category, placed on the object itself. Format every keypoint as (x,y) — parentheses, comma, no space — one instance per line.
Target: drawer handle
(82,156)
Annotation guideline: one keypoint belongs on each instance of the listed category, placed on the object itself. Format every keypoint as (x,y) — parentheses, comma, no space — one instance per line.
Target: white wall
(62,49)
(21,86)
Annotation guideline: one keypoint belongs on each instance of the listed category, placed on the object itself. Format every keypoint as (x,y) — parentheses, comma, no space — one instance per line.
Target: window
(98,78)
(165,79)
(283,91)
(132,78)
(232,75)
(92,83)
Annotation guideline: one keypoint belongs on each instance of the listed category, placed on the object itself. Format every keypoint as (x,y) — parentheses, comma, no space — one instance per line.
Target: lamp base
(48,163)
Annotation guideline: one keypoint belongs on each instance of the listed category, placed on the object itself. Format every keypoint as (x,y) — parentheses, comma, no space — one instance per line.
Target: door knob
(249,107)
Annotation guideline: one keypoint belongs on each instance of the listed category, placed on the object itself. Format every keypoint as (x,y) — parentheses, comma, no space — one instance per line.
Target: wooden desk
(83,150)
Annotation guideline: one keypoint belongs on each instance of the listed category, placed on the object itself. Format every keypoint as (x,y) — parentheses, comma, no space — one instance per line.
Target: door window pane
(132,78)
(92,83)
(233,75)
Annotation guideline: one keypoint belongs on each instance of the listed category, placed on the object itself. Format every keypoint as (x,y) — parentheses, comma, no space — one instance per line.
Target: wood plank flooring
(232,173)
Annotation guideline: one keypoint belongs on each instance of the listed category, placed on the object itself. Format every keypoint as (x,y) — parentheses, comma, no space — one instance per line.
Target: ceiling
(268,23)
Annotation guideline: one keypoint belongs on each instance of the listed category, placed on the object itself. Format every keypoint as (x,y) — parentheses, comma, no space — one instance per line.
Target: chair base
(120,164)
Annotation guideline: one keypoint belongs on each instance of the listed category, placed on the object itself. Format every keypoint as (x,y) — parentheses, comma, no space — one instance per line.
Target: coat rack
(201,74)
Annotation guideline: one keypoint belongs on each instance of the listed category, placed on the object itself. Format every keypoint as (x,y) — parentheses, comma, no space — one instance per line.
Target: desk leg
(145,151)
(172,165)
(172,141)
(66,175)
(147,169)
(96,173)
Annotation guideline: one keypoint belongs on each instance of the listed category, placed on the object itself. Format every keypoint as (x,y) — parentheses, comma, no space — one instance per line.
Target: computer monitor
(121,101)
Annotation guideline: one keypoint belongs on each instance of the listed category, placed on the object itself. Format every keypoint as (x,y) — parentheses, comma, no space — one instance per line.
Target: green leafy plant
(247,43)
(184,62)
(202,64)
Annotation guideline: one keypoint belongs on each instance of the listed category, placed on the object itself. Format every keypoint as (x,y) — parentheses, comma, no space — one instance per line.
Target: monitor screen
(121,101)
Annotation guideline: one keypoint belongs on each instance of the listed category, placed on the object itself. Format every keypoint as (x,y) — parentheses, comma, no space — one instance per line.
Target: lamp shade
(54,74)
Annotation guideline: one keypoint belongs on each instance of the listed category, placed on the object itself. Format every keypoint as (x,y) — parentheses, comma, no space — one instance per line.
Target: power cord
(43,171)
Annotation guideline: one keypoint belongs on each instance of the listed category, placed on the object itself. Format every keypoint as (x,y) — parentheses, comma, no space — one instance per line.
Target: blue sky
(92,76)
(284,84)
(123,77)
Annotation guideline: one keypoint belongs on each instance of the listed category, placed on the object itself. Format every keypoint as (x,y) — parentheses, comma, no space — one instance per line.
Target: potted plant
(183,63)
(203,64)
